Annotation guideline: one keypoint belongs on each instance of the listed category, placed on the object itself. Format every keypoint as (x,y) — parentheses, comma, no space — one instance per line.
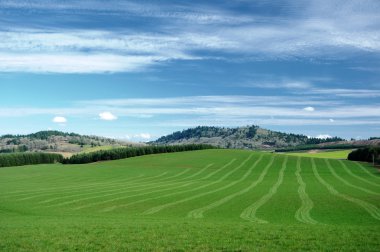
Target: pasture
(337,154)
(196,200)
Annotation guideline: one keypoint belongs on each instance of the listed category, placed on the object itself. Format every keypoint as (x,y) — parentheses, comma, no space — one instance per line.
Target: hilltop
(248,137)
(56,141)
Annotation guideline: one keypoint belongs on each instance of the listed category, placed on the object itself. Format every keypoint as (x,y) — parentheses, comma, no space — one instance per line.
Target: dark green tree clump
(369,154)
(319,147)
(120,153)
(18,159)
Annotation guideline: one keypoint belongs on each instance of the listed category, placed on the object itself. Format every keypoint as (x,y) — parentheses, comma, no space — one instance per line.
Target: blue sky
(137,70)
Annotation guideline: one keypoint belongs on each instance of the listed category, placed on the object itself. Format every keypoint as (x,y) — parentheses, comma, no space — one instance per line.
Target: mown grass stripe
(122,190)
(119,187)
(366,170)
(177,192)
(150,192)
(96,189)
(74,190)
(303,213)
(346,182)
(249,213)
(356,176)
(163,206)
(69,188)
(371,209)
(199,212)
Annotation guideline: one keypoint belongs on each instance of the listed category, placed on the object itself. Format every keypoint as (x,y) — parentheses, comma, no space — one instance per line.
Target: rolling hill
(209,200)
(57,141)
(248,137)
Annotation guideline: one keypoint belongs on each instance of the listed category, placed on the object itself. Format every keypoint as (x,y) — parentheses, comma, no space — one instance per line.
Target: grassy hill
(201,200)
(58,142)
(249,137)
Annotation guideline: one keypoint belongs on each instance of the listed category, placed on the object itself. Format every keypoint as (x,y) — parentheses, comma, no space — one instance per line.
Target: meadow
(337,154)
(230,200)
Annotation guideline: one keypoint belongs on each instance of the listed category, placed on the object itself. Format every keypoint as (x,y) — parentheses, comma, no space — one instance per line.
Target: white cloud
(59,119)
(213,106)
(138,137)
(331,120)
(144,136)
(293,85)
(107,116)
(309,109)
(74,63)
(314,34)
(323,136)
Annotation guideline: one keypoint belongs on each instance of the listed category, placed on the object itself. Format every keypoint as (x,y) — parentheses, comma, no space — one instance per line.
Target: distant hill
(248,137)
(55,141)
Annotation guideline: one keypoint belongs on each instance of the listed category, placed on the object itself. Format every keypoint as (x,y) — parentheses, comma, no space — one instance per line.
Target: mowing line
(131,185)
(108,185)
(371,209)
(154,183)
(346,182)
(198,213)
(356,176)
(175,193)
(93,187)
(161,207)
(249,213)
(66,188)
(303,213)
(366,170)
(140,194)
(119,186)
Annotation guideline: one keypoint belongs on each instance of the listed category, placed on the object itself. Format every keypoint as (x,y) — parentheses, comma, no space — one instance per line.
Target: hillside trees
(369,154)
(120,153)
(18,159)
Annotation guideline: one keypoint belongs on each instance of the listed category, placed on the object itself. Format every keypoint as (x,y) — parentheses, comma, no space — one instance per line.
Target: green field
(337,154)
(200,200)
(89,149)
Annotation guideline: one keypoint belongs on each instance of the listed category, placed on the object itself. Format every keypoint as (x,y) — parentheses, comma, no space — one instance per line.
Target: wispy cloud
(241,36)
(75,63)
(229,108)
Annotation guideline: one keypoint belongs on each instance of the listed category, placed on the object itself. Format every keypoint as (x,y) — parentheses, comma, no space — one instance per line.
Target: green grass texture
(336,154)
(209,200)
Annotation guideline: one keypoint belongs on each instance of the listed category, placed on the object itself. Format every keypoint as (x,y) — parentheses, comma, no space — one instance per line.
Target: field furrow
(122,190)
(358,177)
(303,213)
(198,213)
(346,182)
(175,187)
(121,187)
(370,208)
(197,188)
(249,213)
(367,171)
(163,206)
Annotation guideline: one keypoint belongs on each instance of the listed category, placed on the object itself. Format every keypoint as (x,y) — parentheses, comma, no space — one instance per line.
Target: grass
(201,200)
(88,148)
(336,154)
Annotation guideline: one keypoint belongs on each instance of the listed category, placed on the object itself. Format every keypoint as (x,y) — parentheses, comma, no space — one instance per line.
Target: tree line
(121,153)
(18,159)
(369,154)
(319,147)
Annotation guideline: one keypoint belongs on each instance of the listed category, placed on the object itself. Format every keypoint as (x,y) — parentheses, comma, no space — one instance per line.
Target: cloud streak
(168,38)
(224,108)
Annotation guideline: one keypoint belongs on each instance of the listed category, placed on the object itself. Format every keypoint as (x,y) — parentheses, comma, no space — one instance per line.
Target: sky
(137,70)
